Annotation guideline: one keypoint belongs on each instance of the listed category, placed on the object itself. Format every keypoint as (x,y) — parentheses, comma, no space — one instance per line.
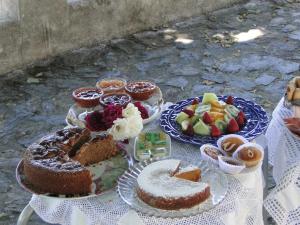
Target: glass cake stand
(210,174)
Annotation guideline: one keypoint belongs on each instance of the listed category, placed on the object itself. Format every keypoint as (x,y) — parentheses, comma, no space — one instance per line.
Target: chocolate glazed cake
(56,164)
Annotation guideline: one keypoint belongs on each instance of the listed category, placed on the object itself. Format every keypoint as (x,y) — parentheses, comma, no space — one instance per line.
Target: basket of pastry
(292,96)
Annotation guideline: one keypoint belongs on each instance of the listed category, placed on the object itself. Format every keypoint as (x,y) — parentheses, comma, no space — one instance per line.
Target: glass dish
(152,144)
(217,180)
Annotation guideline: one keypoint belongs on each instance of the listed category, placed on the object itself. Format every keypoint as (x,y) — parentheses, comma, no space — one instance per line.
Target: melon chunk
(201,128)
(181,117)
(209,97)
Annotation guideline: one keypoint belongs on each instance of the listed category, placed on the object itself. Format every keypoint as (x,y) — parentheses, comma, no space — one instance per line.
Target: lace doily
(242,204)
(283,203)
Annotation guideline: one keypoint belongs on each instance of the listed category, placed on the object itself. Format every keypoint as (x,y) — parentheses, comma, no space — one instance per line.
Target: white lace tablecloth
(283,146)
(242,204)
(283,203)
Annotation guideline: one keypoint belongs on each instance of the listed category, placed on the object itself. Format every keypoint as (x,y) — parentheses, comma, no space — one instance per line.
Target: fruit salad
(211,117)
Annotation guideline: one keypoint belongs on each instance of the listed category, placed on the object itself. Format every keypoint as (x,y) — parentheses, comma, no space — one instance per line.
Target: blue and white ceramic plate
(257,121)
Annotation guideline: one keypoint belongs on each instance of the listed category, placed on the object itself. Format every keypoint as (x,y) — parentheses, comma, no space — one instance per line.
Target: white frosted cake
(159,187)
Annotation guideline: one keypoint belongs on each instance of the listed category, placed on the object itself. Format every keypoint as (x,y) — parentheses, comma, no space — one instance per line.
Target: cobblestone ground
(249,50)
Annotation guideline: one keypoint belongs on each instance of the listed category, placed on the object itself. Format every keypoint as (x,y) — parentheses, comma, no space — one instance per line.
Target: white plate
(76,114)
(110,170)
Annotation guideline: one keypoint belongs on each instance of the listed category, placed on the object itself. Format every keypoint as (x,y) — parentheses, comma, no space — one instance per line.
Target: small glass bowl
(112,85)
(152,144)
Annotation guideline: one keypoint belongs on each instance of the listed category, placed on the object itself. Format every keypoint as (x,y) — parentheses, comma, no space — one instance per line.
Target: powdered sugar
(155,179)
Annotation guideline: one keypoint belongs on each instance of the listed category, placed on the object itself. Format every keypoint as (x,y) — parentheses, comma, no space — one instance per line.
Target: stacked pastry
(292,96)
(293,91)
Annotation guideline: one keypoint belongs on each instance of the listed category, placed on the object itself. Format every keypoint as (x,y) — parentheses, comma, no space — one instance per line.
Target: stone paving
(249,50)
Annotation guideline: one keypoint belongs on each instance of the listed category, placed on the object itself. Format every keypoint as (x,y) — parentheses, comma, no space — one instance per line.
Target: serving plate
(217,180)
(105,175)
(257,121)
(76,114)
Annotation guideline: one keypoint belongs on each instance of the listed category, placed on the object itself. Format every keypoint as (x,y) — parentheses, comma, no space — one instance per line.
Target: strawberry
(215,132)
(189,131)
(207,118)
(240,119)
(189,112)
(232,126)
(229,100)
(195,101)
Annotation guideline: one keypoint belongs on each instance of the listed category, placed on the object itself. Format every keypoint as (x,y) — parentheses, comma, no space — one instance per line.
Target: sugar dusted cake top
(157,180)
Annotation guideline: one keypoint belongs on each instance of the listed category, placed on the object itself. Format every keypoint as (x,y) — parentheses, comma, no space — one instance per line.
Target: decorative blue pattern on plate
(257,121)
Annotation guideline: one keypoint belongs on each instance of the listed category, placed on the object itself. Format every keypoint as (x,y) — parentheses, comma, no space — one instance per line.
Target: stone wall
(40,28)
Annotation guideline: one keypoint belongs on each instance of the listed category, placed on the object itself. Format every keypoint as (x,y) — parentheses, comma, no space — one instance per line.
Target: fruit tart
(140,90)
(87,97)
(211,117)
(121,99)
(112,85)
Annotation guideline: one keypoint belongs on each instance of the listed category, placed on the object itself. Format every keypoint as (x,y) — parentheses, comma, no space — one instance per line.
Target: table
(283,203)
(242,204)
(282,144)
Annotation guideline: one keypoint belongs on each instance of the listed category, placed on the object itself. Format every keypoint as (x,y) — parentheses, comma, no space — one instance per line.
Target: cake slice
(96,150)
(191,173)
